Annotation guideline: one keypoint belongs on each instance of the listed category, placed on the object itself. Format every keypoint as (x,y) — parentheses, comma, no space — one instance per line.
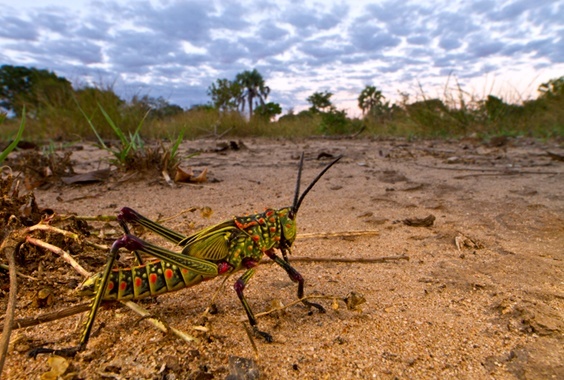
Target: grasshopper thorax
(288,227)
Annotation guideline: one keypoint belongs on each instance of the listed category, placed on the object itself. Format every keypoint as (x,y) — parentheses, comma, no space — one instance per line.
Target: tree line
(43,92)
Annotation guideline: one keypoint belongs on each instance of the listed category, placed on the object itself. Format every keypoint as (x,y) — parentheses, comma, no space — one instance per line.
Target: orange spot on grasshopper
(152,278)
(168,273)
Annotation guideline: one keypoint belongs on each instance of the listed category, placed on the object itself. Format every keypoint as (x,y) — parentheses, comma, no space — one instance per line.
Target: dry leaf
(58,365)
(462,241)
(44,298)
(335,304)
(354,300)
(206,211)
(90,177)
(183,175)
(242,369)
(188,176)
(277,307)
(202,177)
(420,222)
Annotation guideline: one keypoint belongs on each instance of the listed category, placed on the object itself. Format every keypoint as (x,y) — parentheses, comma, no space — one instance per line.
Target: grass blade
(14,143)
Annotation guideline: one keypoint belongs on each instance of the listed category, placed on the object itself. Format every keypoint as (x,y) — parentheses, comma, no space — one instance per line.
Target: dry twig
(361,260)
(9,246)
(64,255)
(344,234)
(49,317)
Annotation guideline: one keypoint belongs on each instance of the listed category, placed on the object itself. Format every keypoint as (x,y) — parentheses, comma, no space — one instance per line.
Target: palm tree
(369,99)
(253,87)
(320,101)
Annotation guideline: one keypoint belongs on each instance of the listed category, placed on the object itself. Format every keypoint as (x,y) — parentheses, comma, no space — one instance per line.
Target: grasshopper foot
(261,334)
(320,308)
(66,352)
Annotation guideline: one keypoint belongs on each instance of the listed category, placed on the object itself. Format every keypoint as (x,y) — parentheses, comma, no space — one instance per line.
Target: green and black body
(233,245)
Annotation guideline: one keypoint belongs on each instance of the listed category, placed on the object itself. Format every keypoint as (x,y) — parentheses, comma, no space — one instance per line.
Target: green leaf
(14,143)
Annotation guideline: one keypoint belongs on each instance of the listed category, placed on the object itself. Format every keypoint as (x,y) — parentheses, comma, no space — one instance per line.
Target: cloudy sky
(176,49)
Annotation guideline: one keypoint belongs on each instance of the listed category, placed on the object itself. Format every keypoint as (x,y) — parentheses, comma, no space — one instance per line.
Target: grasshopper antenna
(298,201)
(297,192)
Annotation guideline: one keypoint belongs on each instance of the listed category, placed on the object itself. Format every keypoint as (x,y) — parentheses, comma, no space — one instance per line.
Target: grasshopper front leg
(295,276)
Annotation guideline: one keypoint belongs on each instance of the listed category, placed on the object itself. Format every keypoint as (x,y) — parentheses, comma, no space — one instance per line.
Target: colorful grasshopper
(233,245)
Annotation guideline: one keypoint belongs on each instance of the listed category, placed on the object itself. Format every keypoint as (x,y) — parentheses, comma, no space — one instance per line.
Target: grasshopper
(233,245)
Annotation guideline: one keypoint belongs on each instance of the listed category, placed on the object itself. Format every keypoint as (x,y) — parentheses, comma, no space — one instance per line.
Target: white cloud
(176,49)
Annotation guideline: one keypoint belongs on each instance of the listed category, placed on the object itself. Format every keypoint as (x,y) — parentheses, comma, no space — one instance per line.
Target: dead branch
(7,268)
(49,317)
(486,171)
(72,235)
(502,173)
(352,301)
(46,227)
(64,255)
(87,218)
(158,324)
(9,247)
(361,260)
(81,308)
(344,234)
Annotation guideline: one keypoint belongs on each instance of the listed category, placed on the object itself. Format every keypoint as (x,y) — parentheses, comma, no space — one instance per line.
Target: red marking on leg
(223,268)
(122,285)
(255,238)
(168,273)
(239,286)
(250,263)
(110,285)
(184,270)
(152,278)
(138,282)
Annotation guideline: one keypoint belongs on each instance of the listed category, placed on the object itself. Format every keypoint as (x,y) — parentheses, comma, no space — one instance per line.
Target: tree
(320,102)
(370,100)
(159,107)
(553,88)
(253,86)
(226,95)
(22,86)
(268,110)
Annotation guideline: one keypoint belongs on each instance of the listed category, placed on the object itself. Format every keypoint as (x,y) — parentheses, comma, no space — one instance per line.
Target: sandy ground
(492,307)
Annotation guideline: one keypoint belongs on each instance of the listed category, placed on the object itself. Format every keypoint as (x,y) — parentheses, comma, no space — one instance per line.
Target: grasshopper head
(88,287)
(288,226)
